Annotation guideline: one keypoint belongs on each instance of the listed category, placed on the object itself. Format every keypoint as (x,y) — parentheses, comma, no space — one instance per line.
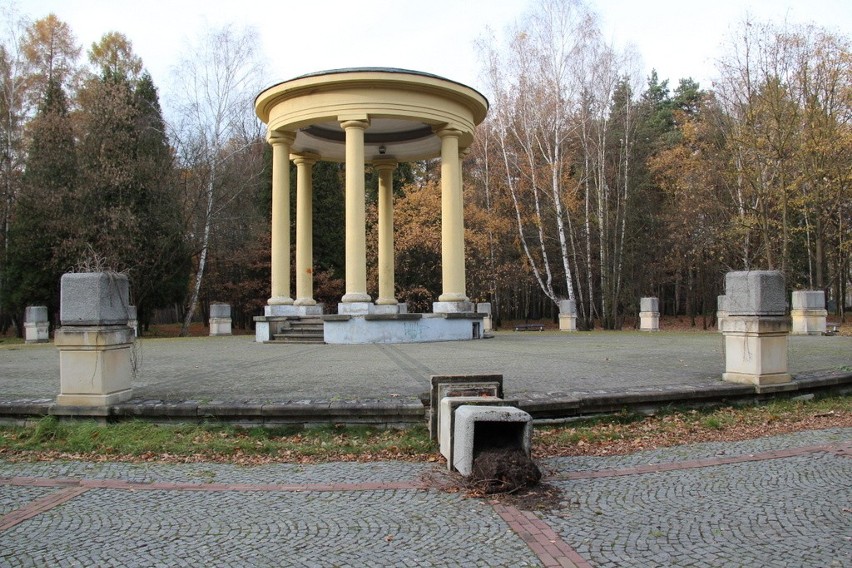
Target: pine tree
(43,222)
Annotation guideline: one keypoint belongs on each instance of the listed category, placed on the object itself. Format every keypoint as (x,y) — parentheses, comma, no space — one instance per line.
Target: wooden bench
(529,327)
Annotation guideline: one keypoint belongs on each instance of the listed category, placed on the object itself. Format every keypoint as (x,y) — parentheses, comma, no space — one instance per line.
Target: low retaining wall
(408,412)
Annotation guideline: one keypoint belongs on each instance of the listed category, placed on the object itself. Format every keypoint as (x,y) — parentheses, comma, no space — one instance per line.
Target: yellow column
(386,253)
(280,249)
(304,229)
(356,226)
(452,219)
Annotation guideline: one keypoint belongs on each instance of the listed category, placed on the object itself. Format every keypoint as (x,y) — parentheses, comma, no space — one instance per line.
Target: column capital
(362,123)
(280,137)
(384,164)
(307,158)
(446,131)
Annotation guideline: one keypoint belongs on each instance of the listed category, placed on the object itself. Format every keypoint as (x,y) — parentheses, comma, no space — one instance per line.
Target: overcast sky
(677,37)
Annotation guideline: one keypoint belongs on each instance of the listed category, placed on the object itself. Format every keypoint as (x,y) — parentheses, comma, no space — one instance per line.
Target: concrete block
(568,307)
(35,314)
(442,386)
(649,304)
(220,310)
(94,298)
(649,314)
(755,292)
(446,419)
(483,308)
(808,300)
(482,427)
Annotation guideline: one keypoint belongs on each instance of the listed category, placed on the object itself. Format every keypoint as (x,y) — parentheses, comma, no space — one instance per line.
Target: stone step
(300,340)
(318,327)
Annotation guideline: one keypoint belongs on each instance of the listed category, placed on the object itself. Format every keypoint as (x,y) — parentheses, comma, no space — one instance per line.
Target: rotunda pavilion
(357,116)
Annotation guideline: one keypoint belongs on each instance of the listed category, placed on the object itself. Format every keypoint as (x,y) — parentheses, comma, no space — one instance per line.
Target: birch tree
(216,83)
(534,87)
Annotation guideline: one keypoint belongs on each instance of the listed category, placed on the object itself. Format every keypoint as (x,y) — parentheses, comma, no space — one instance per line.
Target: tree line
(95,178)
(587,181)
(617,188)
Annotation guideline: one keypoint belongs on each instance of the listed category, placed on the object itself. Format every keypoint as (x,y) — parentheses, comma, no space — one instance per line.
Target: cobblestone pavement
(779,501)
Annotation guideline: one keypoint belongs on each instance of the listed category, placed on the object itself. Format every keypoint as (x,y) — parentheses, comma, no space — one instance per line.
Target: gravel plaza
(776,501)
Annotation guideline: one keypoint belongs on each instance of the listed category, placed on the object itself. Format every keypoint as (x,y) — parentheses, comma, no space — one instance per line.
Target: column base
(386,302)
(385,309)
(305,302)
(452,307)
(758,380)
(94,399)
(453,297)
(356,297)
(280,301)
(355,308)
(293,310)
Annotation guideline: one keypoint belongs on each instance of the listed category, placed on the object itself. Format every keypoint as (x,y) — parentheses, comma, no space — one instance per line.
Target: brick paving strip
(550,548)
(547,545)
(38,506)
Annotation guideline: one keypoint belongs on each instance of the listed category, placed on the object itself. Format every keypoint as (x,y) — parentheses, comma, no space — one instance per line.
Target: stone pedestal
(756,350)
(94,342)
(649,314)
(133,320)
(721,310)
(220,319)
(567,315)
(755,328)
(95,365)
(36,325)
(484,308)
(808,312)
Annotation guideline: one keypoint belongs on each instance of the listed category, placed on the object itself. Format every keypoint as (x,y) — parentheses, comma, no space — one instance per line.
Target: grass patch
(50,438)
(627,432)
(193,442)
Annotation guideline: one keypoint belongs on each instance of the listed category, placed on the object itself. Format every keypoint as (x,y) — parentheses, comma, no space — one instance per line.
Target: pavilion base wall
(401,328)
